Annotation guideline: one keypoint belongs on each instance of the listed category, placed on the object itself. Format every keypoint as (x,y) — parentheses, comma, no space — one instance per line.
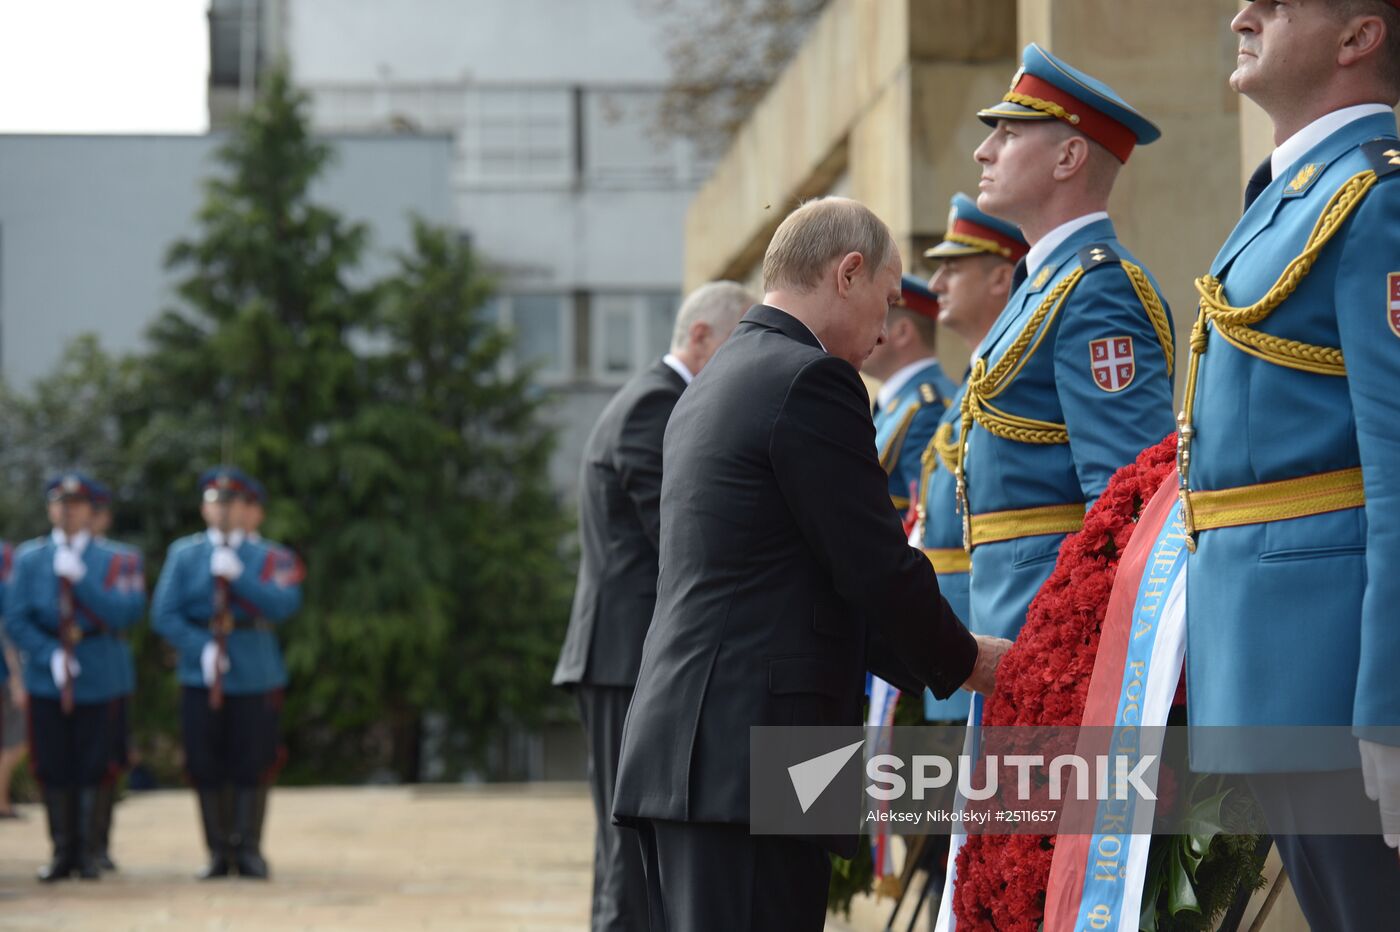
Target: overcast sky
(103,66)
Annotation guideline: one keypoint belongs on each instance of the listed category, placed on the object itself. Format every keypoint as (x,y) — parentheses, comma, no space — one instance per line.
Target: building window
(629,332)
(518,136)
(543,331)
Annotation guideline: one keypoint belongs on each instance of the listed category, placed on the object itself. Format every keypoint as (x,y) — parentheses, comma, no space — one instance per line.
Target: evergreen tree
(403,466)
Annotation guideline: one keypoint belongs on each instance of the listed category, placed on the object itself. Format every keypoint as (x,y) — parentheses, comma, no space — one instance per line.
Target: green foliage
(403,462)
(1193,878)
(850,878)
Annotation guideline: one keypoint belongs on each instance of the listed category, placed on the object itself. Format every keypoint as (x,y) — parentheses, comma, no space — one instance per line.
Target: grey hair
(818,232)
(719,304)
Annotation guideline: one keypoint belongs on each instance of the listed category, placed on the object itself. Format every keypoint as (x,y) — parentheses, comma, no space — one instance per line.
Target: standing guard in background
(219,595)
(8,696)
(914,392)
(1075,377)
(65,602)
(972,283)
(131,575)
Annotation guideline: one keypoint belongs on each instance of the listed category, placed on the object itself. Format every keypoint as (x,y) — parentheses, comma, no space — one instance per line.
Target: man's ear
(851,265)
(699,333)
(1073,155)
(999,281)
(1365,36)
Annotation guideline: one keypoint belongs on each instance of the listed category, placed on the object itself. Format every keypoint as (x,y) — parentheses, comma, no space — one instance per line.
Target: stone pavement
(476,859)
(504,859)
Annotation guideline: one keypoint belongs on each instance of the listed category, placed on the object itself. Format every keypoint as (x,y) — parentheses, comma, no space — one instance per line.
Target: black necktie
(1258,181)
(1019,275)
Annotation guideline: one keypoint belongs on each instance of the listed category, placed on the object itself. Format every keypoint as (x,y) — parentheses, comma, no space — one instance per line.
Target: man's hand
(984,672)
(1380,769)
(63,671)
(67,564)
(207,660)
(223,561)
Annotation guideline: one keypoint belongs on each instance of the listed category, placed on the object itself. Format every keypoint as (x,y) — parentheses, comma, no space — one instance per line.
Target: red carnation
(1044,680)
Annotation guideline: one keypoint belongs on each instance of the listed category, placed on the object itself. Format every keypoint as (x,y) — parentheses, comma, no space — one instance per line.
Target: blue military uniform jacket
(6,563)
(1102,367)
(904,427)
(941,531)
(105,604)
(1296,621)
(268,592)
(133,575)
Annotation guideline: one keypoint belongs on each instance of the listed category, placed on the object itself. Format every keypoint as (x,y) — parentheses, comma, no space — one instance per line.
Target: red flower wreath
(1043,680)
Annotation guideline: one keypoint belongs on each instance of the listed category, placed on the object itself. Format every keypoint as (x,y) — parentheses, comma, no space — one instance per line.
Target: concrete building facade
(880,105)
(86,221)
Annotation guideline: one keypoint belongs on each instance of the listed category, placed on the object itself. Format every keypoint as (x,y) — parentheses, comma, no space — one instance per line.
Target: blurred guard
(1075,377)
(66,600)
(217,600)
(975,262)
(131,575)
(914,392)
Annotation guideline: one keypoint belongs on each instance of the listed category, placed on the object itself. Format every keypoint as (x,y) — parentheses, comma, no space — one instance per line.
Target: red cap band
(1103,129)
(1011,249)
(920,304)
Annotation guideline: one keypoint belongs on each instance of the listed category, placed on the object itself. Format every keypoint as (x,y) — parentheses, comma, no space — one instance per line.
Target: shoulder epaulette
(1383,154)
(1095,255)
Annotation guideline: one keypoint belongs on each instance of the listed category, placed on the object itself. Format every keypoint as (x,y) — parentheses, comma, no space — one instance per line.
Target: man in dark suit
(785,574)
(619,525)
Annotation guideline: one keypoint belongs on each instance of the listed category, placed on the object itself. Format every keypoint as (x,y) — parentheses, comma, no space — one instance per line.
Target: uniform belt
(246,624)
(994,526)
(1278,501)
(949,560)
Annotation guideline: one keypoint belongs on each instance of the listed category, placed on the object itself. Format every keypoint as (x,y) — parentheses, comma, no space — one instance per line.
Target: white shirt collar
(216,537)
(1292,148)
(894,383)
(78,542)
(681,368)
(1051,241)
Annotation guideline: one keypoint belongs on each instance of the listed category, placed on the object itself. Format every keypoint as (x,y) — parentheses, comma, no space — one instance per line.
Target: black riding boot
(83,840)
(215,820)
(102,826)
(249,807)
(59,804)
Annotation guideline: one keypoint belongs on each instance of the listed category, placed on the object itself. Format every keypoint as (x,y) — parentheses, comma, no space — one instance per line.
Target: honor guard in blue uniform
(975,263)
(914,392)
(6,561)
(131,575)
(1289,453)
(1075,377)
(66,601)
(219,597)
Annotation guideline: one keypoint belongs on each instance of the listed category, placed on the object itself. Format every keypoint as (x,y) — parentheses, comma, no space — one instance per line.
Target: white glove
(208,658)
(61,671)
(224,562)
(1380,770)
(67,564)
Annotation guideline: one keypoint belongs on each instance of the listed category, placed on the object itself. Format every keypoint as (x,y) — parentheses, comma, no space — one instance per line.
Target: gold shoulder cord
(940,450)
(1236,327)
(984,385)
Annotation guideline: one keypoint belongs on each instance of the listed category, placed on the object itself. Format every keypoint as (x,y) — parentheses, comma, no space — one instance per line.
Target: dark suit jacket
(784,574)
(619,527)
